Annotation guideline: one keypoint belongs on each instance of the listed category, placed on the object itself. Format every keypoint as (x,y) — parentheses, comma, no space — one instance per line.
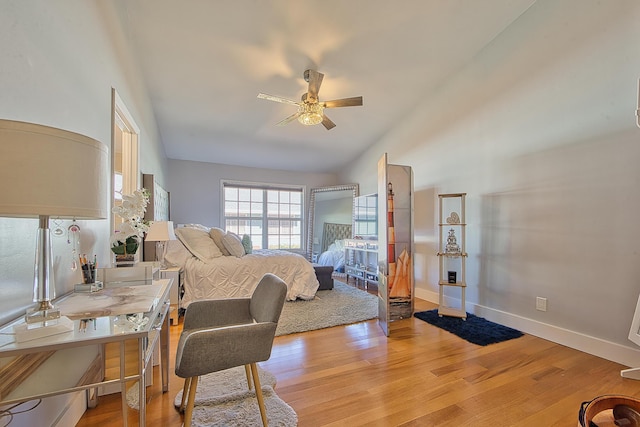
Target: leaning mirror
(330,218)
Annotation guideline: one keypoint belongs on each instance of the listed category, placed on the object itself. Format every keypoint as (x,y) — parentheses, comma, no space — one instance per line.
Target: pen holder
(88,274)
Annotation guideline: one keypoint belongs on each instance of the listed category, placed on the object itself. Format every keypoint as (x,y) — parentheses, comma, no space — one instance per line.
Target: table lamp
(47,172)
(160,232)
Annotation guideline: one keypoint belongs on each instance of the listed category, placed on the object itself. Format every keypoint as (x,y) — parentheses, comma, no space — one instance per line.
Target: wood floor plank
(421,376)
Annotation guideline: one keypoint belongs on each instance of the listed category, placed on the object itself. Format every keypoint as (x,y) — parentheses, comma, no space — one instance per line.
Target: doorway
(125,176)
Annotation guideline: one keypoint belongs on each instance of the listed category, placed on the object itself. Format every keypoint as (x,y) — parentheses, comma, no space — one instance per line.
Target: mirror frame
(354,188)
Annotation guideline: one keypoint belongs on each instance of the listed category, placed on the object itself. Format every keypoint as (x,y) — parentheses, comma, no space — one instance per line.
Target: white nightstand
(174,273)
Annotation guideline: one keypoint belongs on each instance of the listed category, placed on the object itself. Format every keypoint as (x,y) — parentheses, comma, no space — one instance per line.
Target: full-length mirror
(330,220)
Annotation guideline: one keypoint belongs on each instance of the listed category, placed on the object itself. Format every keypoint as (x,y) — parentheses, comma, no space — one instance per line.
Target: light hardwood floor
(420,376)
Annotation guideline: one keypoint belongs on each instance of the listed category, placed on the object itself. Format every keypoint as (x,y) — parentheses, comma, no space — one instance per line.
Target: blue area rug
(475,329)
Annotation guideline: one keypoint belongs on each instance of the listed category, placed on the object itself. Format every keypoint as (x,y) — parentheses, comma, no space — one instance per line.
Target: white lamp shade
(160,231)
(49,171)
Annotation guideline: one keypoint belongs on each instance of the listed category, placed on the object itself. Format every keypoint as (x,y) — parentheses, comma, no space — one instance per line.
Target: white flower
(132,212)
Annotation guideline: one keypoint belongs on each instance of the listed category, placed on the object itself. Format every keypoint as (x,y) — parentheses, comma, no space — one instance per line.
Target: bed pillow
(176,255)
(217,234)
(337,246)
(198,226)
(199,243)
(233,244)
(247,244)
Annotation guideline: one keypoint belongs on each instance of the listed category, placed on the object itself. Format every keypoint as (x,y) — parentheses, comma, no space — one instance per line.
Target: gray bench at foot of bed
(323,273)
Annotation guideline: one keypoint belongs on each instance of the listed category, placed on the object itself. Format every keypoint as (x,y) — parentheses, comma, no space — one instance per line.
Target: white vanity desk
(55,358)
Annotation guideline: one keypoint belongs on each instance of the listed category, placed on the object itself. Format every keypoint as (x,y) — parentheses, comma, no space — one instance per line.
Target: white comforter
(332,258)
(334,255)
(232,277)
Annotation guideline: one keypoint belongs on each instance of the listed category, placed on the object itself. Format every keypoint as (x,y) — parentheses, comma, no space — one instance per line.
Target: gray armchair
(222,334)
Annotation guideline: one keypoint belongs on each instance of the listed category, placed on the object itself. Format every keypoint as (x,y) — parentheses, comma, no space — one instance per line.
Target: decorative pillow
(176,255)
(337,246)
(199,243)
(217,234)
(247,244)
(233,244)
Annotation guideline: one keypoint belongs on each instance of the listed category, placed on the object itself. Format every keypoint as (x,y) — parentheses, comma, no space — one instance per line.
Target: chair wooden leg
(246,371)
(188,413)
(185,391)
(256,382)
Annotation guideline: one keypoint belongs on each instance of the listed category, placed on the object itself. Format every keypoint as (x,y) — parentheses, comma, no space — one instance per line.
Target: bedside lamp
(160,232)
(47,172)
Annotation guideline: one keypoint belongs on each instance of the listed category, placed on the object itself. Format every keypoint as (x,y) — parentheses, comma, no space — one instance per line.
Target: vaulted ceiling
(205,61)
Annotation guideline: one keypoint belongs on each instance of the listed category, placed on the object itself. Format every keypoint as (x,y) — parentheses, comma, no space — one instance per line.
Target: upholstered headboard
(158,208)
(332,232)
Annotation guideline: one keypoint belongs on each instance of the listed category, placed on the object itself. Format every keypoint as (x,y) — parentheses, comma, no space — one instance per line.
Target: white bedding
(334,255)
(232,277)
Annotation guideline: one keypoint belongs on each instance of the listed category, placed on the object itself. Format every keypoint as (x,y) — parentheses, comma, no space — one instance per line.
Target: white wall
(59,63)
(195,187)
(539,131)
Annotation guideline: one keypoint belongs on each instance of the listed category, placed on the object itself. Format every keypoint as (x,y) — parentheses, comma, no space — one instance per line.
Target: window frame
(265,225)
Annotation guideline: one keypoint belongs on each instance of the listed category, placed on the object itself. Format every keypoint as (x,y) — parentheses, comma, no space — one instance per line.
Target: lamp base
(43,312)
(160,254)
(27,332)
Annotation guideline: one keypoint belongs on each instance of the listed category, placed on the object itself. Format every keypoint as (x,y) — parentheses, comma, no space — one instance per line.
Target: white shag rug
(245,412)
(222,386)
(341,305)
(223,399)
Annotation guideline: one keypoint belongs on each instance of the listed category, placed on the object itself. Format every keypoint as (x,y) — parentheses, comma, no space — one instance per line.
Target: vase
(130,247)
(125,253)
(126,260)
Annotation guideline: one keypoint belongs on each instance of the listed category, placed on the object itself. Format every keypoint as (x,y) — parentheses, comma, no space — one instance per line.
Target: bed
(333,236)
(216,265)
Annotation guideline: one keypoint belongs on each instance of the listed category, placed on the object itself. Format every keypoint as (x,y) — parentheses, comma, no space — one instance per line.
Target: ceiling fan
(311,109)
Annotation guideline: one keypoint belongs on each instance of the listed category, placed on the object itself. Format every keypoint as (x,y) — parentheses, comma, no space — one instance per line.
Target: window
(271,215)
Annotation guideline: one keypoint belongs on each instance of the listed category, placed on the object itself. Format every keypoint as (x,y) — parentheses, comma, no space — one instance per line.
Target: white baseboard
(74,410)
(625,355)
(56,411)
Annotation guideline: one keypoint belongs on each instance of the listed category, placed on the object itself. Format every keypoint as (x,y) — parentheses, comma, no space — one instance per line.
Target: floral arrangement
(126,238)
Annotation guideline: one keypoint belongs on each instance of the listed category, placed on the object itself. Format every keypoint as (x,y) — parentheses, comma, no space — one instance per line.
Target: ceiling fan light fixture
(310,114)
(310,109)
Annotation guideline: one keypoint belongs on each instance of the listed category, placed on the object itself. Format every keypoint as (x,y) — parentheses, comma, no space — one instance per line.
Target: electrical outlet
(541,304)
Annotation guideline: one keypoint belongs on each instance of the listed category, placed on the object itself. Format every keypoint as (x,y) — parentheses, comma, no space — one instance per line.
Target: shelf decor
(452,248)
(451,253)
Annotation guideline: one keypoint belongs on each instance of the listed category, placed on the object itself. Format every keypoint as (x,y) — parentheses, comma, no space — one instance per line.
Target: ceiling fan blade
(277,99)
(315,80)
(346,102)
(289,119)
(327,123)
